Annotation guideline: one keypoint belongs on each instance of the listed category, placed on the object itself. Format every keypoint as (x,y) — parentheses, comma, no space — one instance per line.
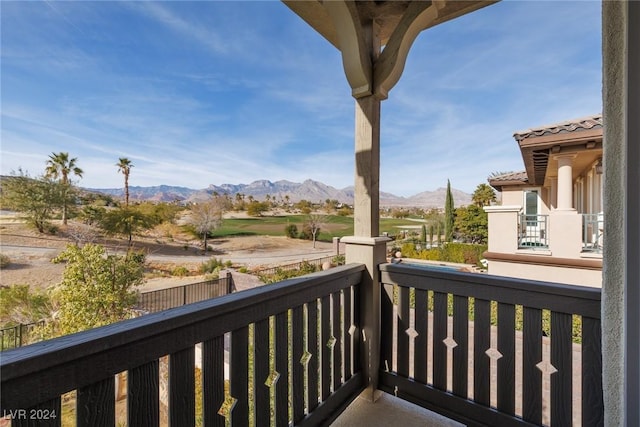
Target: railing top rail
(572,299)
(114,348)
(186,285)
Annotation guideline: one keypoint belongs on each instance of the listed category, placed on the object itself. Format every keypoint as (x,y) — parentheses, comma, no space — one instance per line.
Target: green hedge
(462,253)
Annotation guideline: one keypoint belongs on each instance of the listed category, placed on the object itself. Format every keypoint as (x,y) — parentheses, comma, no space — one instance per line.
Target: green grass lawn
(334,226)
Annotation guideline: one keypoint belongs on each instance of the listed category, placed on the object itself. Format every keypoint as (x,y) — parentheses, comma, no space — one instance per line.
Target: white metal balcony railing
(532,231)
(592,232)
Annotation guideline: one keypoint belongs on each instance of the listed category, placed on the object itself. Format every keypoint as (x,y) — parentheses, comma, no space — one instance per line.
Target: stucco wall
(614,47)
(570,276)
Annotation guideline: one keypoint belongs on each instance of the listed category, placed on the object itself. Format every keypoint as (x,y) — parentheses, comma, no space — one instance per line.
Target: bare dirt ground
(31,253)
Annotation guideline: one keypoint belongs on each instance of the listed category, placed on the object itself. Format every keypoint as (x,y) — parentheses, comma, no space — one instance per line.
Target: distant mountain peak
(314,191)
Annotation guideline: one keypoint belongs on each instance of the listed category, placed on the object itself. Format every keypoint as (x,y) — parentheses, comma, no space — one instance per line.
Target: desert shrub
(180,271)
(338,260)
(291,231)
(5,261)
(305,268)
(212,265)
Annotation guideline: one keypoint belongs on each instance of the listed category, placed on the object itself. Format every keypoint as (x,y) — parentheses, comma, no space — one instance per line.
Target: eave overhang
(396,24)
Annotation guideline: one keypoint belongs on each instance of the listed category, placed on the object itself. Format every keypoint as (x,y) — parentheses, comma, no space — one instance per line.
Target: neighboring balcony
(592,233)
(479,349)
(532,232)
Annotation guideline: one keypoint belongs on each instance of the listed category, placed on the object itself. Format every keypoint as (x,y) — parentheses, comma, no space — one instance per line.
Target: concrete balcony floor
(389,410)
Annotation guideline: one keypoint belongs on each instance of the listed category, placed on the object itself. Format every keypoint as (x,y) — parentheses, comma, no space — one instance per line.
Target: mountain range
(311,190)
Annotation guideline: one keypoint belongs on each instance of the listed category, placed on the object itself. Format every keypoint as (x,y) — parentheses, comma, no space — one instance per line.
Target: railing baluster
(347,355)
(312,348)
(439,336)
(420,343)
(506,363)
(402,352)
(239,376)
(357,337)
(461,350)
(261,369)
(282,366)
(592,399)
(96,404)
(337,341)
(213,381)
(182,388)
(561,359)
(531,374)
(325,333)
(297,336)
(143,400)
(386,328)
(481,343)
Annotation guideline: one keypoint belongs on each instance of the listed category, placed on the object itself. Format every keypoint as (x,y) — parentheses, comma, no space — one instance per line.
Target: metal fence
(294,266)
(19,335)
(533,232)
(164,299)
(592,232)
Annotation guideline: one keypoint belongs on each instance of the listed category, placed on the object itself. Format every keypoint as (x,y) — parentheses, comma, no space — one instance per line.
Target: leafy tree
(423,233)
(472,224)
(36,198)
(97,288)
(206,217)
(160,212)
(59,167)
(92,214)
(483,195)
(449,215)
(304,206)
(256,208)
(126,222)
(431,231)
(20,304)
(124,166)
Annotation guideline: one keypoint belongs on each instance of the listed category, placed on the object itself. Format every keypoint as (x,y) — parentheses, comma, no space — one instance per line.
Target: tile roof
(508,179)
(584,123)
(510,176)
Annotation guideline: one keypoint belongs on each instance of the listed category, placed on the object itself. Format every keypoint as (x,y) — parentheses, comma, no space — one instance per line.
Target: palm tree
(60,166)
(124,165)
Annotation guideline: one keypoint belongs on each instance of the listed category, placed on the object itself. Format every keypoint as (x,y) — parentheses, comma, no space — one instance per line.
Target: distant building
(550,225)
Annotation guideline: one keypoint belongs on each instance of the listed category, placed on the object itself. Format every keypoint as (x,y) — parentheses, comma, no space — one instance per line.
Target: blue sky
(199,93)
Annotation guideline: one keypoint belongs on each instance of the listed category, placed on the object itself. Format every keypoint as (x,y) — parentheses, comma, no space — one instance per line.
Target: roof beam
(352,39)
(389,67)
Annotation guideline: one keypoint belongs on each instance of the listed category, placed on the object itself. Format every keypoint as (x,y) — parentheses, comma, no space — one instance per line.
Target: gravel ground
(31,253)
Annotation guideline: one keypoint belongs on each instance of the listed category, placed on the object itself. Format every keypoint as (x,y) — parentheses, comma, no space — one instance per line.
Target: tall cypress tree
(449,219)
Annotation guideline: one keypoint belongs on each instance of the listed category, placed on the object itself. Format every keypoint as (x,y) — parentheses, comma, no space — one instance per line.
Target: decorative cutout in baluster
(412,333)
(272,379)
(332,342)
(493,354)
(352,330)
(546,368)
(227,407)
(451,343)
(306,358)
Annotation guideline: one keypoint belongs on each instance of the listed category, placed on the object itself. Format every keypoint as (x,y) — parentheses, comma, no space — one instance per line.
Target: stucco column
(367,180)
(553,192)
(565,181)
(621,270)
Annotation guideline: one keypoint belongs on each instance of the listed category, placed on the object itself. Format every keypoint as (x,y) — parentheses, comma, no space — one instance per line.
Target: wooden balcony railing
(480,349)
(293,358)
(488,350)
